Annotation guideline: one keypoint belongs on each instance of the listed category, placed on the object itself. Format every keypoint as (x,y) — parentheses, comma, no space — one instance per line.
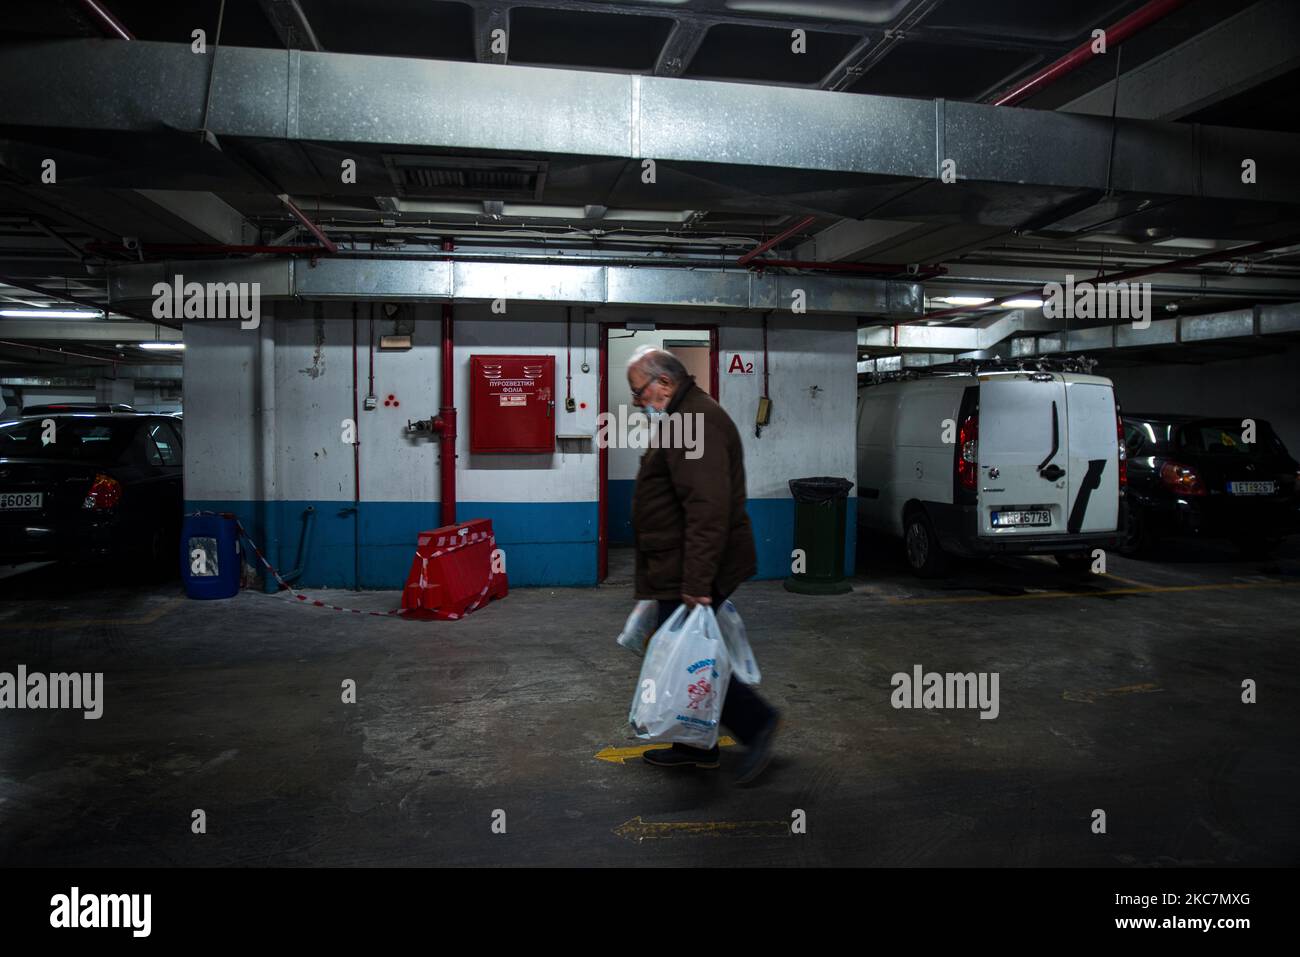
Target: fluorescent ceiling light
(1023,304)
(50,313)
(963,300)
(162,346)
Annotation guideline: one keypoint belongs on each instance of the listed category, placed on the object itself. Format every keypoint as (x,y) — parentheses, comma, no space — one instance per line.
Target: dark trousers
(744,713)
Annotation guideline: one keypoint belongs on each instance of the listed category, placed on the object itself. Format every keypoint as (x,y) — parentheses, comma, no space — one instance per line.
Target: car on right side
(1201,477)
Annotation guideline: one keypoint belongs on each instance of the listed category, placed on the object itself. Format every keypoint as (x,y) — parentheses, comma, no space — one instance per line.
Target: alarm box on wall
(512,404)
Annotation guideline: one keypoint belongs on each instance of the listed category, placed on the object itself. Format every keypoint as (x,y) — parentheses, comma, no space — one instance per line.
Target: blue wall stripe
(544,543)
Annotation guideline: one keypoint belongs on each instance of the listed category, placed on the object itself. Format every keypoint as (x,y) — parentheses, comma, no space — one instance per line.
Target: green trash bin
(820,510)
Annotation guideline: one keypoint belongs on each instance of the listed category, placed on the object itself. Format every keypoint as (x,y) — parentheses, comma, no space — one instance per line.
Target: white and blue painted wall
(268,445)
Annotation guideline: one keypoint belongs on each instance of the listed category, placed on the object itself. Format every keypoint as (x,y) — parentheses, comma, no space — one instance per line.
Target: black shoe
(759,751)
(680,756)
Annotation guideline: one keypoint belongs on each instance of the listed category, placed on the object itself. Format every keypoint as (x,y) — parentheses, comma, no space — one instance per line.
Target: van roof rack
(1081,364)
(1084,364)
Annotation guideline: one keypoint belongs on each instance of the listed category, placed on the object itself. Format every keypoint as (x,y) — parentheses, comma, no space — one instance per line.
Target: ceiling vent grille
(465,177)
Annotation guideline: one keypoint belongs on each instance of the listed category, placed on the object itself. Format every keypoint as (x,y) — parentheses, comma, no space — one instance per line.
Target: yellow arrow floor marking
(621,755)
(1091,696)
(640,830)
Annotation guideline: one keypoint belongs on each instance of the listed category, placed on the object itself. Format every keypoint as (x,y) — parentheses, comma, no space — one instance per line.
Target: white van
(992,463)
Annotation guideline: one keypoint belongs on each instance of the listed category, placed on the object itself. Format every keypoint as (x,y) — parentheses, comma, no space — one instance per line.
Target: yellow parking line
(1144,590)
(147,619)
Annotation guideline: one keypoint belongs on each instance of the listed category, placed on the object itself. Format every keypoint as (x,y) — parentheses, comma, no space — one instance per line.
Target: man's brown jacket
(692,531)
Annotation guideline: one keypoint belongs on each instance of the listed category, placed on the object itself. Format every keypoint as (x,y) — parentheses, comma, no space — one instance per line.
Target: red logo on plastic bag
(699,692)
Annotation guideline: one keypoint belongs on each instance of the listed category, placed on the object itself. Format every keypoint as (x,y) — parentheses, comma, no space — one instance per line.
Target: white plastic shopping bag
(683,682)
(640,626)
(744,668)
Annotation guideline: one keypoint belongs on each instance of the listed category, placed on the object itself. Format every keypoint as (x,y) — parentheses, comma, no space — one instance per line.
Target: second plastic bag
(744,668)
(683,682)
(640,626)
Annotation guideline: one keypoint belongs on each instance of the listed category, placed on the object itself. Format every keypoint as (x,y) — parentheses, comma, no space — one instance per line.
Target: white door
(1023,455)
(1094,457)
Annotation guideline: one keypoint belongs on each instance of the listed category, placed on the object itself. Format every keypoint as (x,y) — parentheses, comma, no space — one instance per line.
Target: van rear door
(1094,456)
(1023,454)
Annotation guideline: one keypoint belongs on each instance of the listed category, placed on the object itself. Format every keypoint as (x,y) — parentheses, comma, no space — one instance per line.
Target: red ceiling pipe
(1172,266)
(445,422)
(1116,34)
(779,237)
(106,21)
(311,227)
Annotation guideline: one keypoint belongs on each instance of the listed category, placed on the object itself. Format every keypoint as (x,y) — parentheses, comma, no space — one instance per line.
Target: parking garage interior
(801,201)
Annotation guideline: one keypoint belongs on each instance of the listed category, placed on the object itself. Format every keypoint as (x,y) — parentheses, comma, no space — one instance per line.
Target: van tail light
(1123,451)
(968,451)
(1182,479)
(105,492)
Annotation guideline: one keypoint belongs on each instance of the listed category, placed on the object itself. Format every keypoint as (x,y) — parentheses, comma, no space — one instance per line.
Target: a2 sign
(738,363)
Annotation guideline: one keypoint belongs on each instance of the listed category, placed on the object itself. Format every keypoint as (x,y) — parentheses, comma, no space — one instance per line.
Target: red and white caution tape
(316,602)
(460,541)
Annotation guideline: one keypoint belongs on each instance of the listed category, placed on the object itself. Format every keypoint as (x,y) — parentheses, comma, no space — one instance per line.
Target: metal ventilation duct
(392,279)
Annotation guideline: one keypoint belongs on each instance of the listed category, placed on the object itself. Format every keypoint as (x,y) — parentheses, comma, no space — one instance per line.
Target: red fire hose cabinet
(512,404)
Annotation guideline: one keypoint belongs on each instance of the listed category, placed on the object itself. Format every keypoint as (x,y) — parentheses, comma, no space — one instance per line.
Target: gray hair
(657,362)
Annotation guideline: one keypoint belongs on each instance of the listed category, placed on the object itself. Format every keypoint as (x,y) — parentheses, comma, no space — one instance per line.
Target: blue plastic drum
(210,556)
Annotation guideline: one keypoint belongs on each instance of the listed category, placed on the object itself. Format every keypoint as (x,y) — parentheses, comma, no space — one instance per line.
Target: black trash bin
(820,509)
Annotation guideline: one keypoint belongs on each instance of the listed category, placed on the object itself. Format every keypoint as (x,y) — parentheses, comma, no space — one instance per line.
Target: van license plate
(1251,488)
(1009,519)
(14,501)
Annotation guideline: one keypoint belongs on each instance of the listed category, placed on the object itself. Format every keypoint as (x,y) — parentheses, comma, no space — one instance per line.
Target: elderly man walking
(694,544)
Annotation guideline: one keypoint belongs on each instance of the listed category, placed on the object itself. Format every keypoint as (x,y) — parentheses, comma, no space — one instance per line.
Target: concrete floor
(1122,693)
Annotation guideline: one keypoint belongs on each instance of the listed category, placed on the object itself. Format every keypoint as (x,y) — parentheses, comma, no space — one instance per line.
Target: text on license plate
(1034,517)
(1251,488)
(19,500)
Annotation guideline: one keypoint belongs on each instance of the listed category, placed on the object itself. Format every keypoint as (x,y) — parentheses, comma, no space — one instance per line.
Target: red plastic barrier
(452,573)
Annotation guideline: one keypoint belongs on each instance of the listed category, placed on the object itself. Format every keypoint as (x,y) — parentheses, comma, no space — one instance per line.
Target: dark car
(107,487)
(1200,477)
